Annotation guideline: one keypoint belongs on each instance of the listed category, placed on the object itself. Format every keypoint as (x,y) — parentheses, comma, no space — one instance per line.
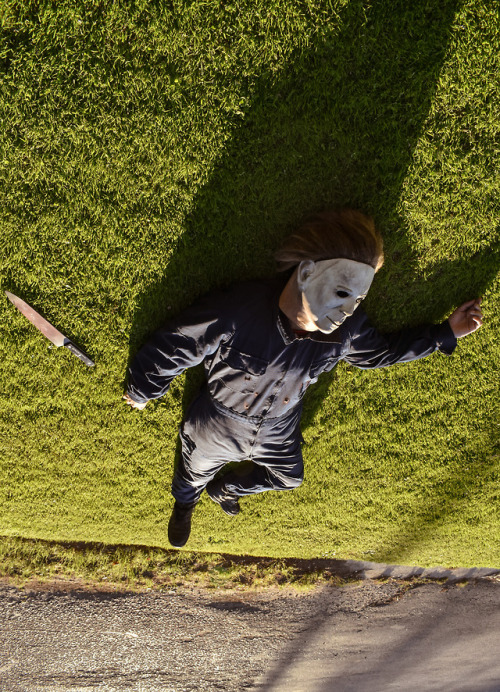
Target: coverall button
(256,393)
(245,405)
(286,400)
(247,377)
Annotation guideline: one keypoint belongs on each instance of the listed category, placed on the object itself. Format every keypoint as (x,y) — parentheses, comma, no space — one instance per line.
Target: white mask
(331,291)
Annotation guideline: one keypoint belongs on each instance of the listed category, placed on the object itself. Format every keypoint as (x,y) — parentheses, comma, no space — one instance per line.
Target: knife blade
(47,329)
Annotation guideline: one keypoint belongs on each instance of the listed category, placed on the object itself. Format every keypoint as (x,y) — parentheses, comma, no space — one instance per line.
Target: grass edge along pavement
(138,568)
(37,564)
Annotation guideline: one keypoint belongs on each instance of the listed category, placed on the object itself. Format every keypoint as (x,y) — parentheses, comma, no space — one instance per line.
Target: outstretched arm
(182,343)
(467,318)
(370,349)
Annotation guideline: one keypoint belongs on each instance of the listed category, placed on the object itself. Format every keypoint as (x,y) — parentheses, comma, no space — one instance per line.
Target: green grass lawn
(150,151)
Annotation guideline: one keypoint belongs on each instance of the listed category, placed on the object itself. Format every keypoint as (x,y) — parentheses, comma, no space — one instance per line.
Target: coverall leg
(211,439)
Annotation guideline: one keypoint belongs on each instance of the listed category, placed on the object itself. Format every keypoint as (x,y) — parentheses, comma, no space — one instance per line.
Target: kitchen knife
(52,334)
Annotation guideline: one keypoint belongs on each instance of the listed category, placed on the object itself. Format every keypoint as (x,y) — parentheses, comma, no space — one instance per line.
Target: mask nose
(348,307)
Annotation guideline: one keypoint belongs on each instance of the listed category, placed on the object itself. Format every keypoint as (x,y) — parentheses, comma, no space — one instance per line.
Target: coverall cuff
(447,341)
(138,399)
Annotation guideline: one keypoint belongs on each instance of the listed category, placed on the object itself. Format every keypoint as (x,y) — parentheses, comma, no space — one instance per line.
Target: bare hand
(134,404)
(467,318)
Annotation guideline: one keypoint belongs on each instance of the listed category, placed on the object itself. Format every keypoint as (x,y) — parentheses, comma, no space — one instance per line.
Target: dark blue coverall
(257,370)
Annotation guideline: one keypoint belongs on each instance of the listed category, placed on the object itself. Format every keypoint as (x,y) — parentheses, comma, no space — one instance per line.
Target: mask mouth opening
(327,326)
(336,323)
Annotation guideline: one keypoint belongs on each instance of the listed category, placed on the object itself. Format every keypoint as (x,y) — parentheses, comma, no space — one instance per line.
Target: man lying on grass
(263,343)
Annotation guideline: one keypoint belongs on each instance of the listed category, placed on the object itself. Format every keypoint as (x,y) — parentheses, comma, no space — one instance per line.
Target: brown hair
(331,234)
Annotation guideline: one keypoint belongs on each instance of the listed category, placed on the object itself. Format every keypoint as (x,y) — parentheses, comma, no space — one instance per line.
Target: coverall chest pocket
(243,371)
(319,366)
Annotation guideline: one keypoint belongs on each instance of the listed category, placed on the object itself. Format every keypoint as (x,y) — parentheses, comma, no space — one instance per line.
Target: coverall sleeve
(369,348)
(182,343)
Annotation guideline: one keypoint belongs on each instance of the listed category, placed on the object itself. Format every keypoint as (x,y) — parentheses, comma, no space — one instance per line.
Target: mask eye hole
(342,294)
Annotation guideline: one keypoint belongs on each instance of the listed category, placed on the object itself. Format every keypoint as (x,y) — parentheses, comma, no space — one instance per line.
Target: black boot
(217,492)
(179,526)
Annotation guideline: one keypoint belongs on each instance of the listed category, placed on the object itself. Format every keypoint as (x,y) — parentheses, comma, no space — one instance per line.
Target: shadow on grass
(338,128)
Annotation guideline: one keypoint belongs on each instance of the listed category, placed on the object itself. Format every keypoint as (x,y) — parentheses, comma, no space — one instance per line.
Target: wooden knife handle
(78,353)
